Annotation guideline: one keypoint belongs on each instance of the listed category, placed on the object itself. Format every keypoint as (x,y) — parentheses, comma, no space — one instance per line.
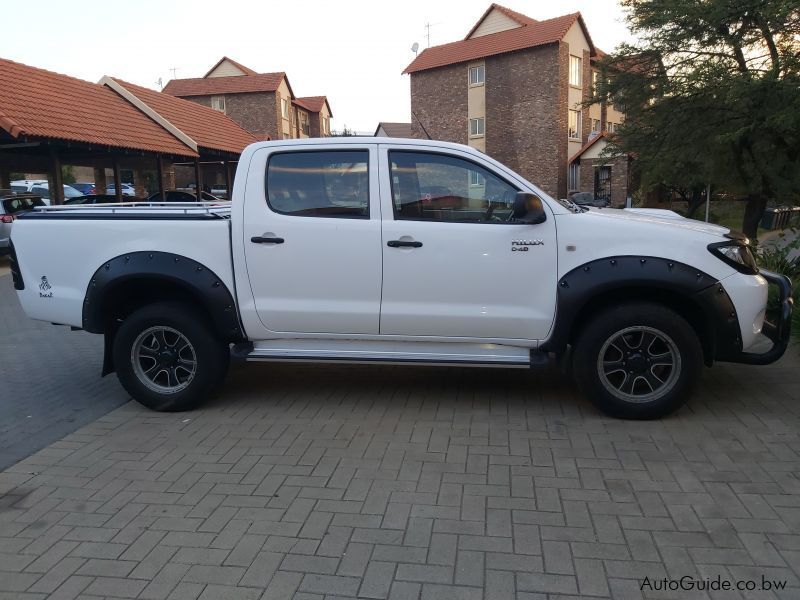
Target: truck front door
(455,264)
(311,232)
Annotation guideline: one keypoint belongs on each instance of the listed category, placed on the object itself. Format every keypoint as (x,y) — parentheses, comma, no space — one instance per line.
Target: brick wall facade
(525,129)
(619,177)
(526,111)
(256,112)
(439,104)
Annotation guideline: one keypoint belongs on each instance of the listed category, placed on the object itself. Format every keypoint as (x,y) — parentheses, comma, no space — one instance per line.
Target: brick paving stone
(387,482)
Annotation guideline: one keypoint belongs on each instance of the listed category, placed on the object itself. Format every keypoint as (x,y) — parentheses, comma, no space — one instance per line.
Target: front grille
(16,276)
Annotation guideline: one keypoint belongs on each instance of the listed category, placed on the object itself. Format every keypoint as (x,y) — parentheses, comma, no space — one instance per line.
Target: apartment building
(262,103)
(514,88)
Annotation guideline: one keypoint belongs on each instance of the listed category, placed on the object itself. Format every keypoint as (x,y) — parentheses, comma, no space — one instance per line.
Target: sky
(352,51)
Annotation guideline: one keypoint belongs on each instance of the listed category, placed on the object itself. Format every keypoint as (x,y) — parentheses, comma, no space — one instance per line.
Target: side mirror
(528,209)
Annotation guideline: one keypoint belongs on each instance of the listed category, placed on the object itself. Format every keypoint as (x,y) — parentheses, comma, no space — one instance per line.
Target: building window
(304,127)
(476,178)
(574,176)
(332,184)
(574,124)
(611,127)
(218,103)
(285,108)
(575,74)
(595,79)
(595,124)
(477,75)
(325,125)
(476,127)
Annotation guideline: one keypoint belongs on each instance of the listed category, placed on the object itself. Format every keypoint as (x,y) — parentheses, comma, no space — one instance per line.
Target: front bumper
(777,331)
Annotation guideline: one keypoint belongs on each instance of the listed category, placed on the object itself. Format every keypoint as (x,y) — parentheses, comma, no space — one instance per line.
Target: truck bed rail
(132,210)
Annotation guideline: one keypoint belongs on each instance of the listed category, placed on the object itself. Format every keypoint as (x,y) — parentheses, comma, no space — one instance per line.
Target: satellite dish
(414,47)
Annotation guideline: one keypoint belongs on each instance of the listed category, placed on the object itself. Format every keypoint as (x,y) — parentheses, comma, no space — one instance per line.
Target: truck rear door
(312,234)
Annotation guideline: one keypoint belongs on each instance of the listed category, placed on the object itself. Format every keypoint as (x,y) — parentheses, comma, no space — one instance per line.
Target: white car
(41,188)
(405,252)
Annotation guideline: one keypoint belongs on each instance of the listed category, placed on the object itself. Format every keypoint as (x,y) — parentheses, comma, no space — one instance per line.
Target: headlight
(736,254)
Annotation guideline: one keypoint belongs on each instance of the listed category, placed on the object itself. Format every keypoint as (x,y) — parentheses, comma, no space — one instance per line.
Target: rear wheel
(167,358)
(637,361)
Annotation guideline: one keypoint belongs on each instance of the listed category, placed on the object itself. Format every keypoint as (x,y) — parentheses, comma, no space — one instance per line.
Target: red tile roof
(313,103)
(42,104)
(395,130)
(206,126)
(587,145)
(240,66)
(512,14)
(536,33)
(236,84)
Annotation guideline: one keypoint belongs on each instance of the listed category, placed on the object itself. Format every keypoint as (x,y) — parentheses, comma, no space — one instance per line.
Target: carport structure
(48,120)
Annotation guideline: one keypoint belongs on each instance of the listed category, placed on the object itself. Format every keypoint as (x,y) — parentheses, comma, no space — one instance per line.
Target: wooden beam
(117,180)
(57,191)
(160,169)
(100,182)
(198,181)
(5,179)
(228,179)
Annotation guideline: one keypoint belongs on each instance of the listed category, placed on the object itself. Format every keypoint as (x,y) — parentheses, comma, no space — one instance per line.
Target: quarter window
(439,187)
(477,127)
(319,184)
(477,75)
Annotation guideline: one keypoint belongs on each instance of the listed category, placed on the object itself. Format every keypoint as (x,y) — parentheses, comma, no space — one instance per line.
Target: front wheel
(637,360)
(167,358)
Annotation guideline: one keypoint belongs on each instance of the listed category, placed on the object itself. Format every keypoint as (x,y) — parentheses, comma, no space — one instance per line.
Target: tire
(167,358)
(639,360)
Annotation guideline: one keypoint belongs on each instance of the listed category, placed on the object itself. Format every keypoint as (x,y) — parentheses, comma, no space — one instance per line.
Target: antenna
(415,48)
(174,70)
(428,26)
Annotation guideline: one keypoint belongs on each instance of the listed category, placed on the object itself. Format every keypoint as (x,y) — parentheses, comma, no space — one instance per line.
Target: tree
(711,94)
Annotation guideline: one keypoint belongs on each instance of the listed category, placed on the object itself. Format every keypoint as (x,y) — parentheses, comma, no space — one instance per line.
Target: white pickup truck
(398,251)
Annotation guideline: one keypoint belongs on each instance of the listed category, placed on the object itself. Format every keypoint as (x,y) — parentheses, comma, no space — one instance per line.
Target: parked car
(41,188)
(102,199)
(330,252)
(84,187)
(182,196)
(127,189)
(11,205)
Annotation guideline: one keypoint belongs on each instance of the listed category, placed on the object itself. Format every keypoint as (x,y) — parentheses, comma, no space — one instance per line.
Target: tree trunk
(697,200)
(753,211)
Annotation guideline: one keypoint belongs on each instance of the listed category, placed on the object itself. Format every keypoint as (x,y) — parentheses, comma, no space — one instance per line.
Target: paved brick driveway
(312,482)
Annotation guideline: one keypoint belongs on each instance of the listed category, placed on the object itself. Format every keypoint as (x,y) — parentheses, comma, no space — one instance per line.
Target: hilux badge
(523,245)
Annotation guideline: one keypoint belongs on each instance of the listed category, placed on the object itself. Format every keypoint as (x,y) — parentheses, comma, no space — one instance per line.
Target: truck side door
(311,234)
(454,263)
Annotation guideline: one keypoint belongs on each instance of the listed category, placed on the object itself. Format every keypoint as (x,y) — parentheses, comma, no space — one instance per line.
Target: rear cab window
(327,183)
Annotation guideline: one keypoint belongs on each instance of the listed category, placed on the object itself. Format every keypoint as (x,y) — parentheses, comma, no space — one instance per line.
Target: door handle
(403,244)
(266,240)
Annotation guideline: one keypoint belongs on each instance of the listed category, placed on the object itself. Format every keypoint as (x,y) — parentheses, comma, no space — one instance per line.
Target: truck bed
(59,248)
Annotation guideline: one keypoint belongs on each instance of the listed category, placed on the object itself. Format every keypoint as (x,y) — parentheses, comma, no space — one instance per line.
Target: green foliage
(777,259)
(711,92)
(67,174)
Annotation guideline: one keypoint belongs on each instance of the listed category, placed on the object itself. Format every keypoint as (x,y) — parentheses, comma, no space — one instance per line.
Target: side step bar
(361,352)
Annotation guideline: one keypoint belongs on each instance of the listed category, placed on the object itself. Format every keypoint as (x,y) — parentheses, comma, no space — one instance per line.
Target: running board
(360,352)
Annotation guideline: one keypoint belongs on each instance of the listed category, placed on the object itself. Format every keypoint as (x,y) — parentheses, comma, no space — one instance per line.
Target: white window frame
(575,74)
(480,75)
(476,179)
(579,124)
(284,108)
(479,129)
(218,103)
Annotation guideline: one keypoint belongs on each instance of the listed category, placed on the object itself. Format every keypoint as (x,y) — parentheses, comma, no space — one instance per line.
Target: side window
(332,183)
(438,187)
